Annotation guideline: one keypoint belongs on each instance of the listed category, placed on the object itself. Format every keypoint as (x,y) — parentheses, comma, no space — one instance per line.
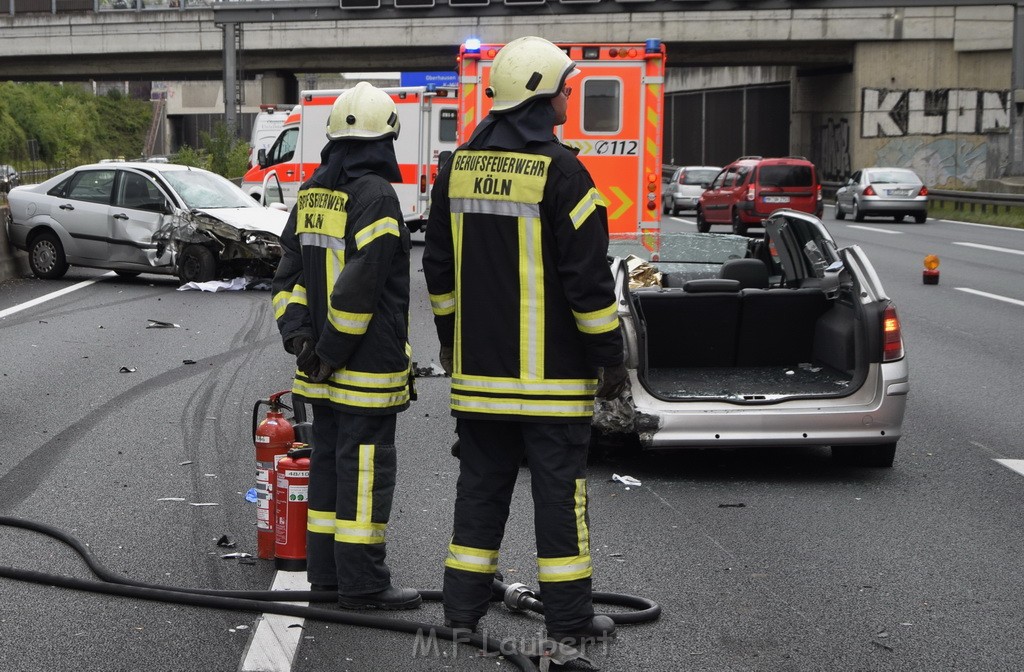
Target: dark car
(9,178)
(751,188)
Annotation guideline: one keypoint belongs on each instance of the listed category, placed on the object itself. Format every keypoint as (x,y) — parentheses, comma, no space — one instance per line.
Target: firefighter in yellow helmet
(524,306)
(341,300)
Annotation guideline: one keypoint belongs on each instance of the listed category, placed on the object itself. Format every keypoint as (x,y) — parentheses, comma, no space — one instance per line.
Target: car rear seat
(697,326)
(777,326)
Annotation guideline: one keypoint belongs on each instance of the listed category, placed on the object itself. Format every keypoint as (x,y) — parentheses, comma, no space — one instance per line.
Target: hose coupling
(519,597)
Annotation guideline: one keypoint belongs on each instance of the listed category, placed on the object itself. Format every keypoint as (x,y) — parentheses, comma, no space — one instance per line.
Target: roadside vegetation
(1012,217)
(48,128)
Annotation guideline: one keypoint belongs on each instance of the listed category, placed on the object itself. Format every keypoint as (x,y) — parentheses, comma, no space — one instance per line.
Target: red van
(750,188)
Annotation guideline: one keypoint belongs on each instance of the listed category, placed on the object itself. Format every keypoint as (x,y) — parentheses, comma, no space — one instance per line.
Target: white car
(780,340)
(684,187)
(137,217)
(883,192)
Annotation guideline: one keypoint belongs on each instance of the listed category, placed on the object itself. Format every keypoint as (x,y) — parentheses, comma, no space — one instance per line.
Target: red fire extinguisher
(291,500)
(273,438)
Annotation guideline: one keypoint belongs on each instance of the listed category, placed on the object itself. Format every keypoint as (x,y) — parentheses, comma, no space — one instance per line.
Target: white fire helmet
(527,68)
(363,112)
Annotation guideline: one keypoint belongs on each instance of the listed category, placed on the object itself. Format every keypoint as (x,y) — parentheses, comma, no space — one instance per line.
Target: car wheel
(920,217)
(879,455)
(702,224)
(197,264)
(664,207)
(738,227)
(46,256)
(128,274)
(858,216)
(839,210)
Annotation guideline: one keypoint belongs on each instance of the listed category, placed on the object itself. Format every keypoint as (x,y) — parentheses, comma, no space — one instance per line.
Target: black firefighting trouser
(351,485)
(490,457)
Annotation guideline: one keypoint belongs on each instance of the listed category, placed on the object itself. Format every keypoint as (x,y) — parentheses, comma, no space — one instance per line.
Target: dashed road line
(276,637)
(991,248)
(1014,465)
(52,295)
(997,297)
(871,228)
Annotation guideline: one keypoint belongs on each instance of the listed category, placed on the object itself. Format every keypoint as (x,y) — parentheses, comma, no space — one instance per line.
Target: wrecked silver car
(137,218)
(778,340)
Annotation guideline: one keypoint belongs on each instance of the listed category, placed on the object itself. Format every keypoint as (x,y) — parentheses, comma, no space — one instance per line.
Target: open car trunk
(800,333)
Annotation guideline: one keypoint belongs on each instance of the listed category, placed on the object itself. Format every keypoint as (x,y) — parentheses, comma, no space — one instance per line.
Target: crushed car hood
(267,220)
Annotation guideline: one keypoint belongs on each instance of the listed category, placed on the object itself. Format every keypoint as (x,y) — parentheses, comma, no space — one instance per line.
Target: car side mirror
(261,157)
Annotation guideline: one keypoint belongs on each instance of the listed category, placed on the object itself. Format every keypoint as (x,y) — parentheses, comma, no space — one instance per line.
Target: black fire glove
(611,381)
(304,349)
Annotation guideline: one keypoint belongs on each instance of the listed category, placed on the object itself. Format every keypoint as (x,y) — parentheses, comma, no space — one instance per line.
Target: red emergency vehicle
(614,119)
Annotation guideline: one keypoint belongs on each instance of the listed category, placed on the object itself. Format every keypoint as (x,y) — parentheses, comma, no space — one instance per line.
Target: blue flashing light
(652,46)
(473,45)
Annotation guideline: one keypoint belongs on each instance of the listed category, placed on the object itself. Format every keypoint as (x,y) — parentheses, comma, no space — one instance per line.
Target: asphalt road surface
(762,560)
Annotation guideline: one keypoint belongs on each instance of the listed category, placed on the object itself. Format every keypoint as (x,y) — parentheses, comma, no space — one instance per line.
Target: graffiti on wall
(902,112)
(832,150)
(949,163)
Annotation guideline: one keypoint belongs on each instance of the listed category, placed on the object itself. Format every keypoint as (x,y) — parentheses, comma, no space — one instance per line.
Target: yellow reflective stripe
(321,240)
(321,522)
(531,300)
(323,391)
(349,323)
(537,407)
(443,304)
(364,483)
(457,233)
(586,207)
(564,569)
(545,387)
(382,227)
(284,298)
(580,508)
(470,559)
(356,532)
(372,380)
(598,321)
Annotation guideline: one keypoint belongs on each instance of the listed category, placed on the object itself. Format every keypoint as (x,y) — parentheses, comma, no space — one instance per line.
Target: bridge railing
(13,7)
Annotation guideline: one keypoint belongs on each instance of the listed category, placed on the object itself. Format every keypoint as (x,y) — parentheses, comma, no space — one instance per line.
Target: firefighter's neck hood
(342,161)
(533,122)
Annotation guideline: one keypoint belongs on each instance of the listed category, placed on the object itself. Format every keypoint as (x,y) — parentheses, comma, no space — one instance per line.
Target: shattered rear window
(683,247)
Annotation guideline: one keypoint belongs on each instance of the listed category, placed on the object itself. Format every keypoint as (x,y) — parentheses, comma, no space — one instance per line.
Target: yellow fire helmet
(527,68)
(363,112)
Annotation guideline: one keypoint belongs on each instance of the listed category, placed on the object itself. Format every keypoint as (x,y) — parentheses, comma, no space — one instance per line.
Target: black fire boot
(391,598)
(599,627)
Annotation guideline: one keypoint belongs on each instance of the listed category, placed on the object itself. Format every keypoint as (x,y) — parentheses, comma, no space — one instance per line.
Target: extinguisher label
(298,493)
(262,439)
(289,473)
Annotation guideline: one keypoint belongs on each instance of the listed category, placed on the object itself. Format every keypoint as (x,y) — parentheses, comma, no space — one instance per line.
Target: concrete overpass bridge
(933,84)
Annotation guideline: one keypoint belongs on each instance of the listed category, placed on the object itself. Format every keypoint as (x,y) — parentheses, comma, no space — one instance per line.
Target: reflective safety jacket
(344,280)
(517,270)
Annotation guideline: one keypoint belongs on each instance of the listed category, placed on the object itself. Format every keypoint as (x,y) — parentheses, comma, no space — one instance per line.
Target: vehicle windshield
(200,189)
(892,176)
(697,177)
(683,247)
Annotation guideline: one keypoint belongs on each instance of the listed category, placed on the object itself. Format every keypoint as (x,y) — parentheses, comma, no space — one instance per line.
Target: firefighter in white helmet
(524,306)
(341,300)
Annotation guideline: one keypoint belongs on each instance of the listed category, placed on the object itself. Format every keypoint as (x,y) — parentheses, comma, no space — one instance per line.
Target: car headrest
(751,273)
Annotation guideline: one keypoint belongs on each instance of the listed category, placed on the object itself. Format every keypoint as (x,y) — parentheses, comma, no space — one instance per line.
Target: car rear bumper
(870,204)
(871,415)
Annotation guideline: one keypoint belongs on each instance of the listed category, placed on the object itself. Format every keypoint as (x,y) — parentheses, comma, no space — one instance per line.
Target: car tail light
(923,192)
(892,335)
(423,184)
(869,191)
(819,192)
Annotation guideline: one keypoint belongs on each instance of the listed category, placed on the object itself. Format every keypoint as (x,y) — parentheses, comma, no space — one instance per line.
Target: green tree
(229,156)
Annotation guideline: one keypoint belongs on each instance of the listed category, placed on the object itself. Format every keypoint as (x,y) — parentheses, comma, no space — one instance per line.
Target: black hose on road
(276,601)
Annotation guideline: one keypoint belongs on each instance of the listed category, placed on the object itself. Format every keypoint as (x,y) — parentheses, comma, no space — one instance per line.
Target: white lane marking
(991,247)
(276,637)
(1001,228)
(1015,465)
(997,297)
(52,295)
(871,228)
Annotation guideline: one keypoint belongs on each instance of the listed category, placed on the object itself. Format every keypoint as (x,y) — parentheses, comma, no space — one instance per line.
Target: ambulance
(428,117)
(614,119)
